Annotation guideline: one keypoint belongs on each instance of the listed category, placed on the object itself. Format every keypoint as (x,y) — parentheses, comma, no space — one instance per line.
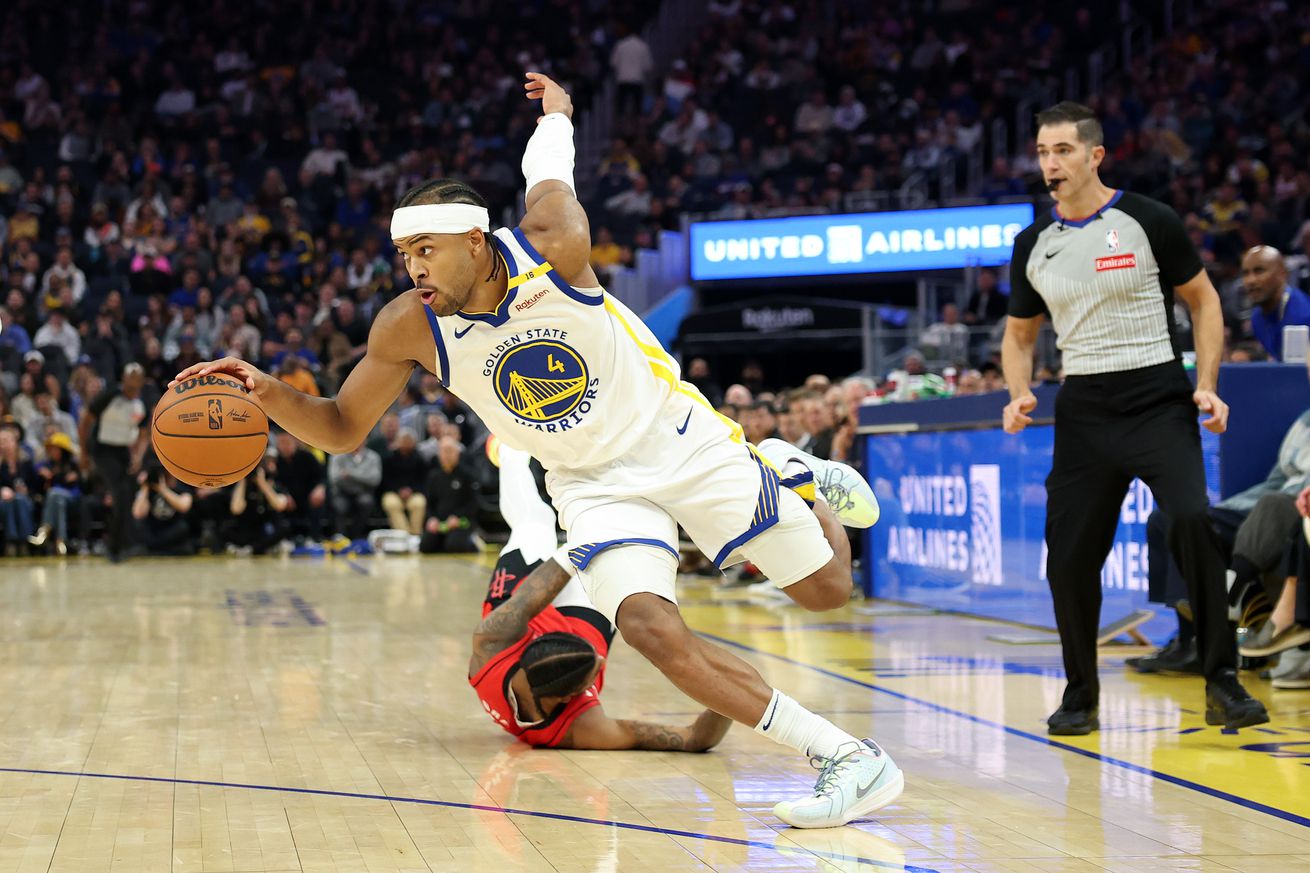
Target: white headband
(438,218)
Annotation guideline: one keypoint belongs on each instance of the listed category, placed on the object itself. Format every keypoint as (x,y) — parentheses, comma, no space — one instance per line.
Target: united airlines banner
(962,527)
(869,242)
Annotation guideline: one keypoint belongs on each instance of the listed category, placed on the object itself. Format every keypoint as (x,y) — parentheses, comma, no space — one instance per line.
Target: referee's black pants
(1110,428)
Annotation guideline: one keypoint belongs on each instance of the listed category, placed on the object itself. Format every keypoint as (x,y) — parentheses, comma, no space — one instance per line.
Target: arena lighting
(869,242)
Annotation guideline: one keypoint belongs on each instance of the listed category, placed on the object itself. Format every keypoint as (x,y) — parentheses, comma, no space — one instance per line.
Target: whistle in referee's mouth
(1052,184)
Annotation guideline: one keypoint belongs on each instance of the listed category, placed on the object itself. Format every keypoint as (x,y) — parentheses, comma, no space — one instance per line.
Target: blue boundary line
(478,807)
(1095,756)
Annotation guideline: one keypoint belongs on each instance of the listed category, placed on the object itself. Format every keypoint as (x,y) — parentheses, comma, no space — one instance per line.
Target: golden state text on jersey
(567,374)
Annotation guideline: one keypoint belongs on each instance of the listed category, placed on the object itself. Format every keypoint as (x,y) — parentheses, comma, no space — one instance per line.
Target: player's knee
(652,626)
(829,588)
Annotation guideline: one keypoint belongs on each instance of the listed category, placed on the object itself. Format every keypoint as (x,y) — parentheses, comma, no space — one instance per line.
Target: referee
(1105,265)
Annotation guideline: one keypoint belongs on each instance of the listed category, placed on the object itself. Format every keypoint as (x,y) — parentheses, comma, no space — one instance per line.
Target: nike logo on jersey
(459,334)
(683,430)
(1050,255)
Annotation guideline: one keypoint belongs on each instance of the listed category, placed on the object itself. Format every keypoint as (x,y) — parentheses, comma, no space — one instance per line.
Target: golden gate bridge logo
(541,381)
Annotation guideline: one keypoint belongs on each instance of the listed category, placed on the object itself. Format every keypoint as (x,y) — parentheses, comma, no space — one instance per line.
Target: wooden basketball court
(271,715)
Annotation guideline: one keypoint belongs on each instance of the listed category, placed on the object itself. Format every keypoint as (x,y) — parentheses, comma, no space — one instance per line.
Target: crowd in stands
(777,111)
(178,184)
(778,106)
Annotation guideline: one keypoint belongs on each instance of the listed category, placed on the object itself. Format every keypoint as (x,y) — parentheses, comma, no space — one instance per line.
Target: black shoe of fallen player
(1072,722)
(1228,704)
(1176,657)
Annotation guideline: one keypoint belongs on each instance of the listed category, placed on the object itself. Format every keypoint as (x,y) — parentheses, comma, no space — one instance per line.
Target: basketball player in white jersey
(516,324)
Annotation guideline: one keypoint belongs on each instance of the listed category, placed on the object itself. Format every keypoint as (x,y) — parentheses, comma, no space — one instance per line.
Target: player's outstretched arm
(596,730)
(333,424)
(555,222)
(507,623)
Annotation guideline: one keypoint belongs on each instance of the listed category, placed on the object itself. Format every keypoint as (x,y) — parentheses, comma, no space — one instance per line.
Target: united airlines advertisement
(870,242)
(962,527)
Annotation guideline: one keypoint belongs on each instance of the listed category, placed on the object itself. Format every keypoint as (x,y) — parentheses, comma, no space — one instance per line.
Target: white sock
(786,721)
(531,520)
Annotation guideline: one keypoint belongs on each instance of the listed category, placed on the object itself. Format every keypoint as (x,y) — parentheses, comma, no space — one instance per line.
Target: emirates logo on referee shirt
(1116,262)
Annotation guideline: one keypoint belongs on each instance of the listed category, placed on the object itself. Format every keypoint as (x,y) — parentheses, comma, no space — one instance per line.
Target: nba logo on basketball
(216,415)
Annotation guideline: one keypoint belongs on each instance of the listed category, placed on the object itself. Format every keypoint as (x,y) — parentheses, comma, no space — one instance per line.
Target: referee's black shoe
(1176,657)
(1072,722)
(1228,704)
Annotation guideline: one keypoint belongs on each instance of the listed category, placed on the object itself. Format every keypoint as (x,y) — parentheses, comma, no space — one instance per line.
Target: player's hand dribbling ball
(209,430)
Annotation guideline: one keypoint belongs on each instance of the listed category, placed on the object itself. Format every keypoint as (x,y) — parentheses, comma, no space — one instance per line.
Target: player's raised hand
(553,98)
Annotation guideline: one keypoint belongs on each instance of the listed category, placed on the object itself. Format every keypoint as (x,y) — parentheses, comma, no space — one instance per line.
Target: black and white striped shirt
(1106,281)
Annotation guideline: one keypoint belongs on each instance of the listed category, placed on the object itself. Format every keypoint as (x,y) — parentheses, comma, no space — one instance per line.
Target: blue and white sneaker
(850,786)
(847,494)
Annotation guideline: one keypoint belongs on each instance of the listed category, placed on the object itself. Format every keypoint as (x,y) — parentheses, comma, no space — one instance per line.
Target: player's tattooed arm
(596,730)
(507,623)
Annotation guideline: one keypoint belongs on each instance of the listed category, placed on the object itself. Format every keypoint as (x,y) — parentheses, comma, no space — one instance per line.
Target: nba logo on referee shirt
(216,414)
(985,523)
(1112,240)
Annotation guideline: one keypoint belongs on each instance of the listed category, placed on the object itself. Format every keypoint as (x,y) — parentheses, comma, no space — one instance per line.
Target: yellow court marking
(1152,726)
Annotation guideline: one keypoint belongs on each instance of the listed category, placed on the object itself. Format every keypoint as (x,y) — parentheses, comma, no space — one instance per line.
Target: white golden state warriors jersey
(567,374)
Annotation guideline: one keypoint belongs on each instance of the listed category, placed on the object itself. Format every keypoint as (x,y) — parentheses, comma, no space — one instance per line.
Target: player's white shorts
(687,470)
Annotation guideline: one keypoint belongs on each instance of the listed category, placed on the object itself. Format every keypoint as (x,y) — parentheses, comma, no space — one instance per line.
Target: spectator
(451,493)
(71,275)
(814,116)
(48,421)
(295,373)
(739,396)
(113,442)
(258,512)
(160,510)
(698,374)
(948,338)
(437,425)
(384,435)
(23,404)
(17,483)
(403,476)
(606,254)
(850,113)
(60,481)
(1275,303)
(107,346)
(986,304)
(632,64)
(175,101)
(301,476)
(790,427)
(354,479)
(760,423)
(58,332)
(1001,183)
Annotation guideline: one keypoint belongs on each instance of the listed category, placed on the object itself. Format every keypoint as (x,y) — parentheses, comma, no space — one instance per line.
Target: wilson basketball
(209,431)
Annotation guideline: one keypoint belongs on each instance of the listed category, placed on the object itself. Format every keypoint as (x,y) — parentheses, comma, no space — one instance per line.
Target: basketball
(209,431)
